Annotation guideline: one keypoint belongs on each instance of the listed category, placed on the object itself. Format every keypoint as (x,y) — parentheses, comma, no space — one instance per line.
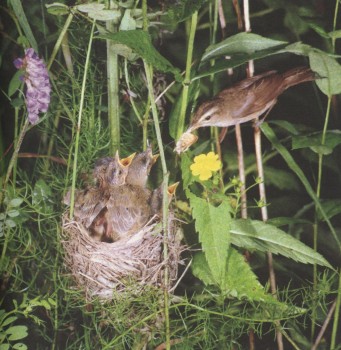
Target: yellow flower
(204,165)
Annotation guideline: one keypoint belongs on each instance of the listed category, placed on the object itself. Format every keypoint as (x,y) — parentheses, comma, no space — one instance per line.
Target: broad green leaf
(13,213)
(329,70)
(16,332)
(253,234)
(140,42)
(187,177)
(20,14)
(233,62)
(19,346)
(331,208)
(283,221)
(313,141)
(270,135)
(281,179)
(239,281)
(10,223)
(4,346)
(241,43)
(15,83)
(8,321)
(57,9)
(213,225)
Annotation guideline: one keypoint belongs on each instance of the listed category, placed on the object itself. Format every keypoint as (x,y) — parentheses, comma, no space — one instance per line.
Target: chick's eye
(208,117)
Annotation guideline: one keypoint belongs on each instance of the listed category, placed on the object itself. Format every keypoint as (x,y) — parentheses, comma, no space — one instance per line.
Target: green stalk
(319,181)
(81,104)
(336,316)
(59,40)
(187,79)
(113,90)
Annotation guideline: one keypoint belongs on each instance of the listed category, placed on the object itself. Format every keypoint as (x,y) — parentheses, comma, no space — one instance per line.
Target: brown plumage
(91,201)
(248,99)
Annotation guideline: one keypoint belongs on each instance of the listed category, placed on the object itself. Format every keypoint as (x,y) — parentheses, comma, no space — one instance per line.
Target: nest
(103,269)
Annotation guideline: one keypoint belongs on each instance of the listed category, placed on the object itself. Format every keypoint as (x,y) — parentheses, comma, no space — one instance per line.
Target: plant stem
(79,122)
(336,316)
(113,90)
(187,79)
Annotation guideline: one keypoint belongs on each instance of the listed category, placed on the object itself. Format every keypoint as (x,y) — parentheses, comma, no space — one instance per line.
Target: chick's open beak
(127,161)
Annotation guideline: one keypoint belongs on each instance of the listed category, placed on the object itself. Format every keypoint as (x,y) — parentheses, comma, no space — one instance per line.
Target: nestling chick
(157,198)
(128,210)
(140,168)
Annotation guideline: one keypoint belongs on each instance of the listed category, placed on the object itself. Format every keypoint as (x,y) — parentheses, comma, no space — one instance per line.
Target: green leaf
(57,9)
(8,321)
(187,177)
(15,83)
(213,225)
(239,281)
(19,346)
(336,34)
(241,43)
(253,234)
(13,213)
(183,9)
(270,135)
(140,42)
(283,221)
(127,22)
(313,141)
(10,223)
(16,332)
(4,346)
(20,14)
(15,202)
(331,208)
(329,70)
(281,179)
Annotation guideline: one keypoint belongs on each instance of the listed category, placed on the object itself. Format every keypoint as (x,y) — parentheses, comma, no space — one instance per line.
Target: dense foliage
(262,271)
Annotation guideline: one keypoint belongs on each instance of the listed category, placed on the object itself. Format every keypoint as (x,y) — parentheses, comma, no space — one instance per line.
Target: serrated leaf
(239,281)
(213,225)
(9,320)
(254,234)
(15,83)
(140,42)
(241,43)
(329,70)
(281,179)
(57,9)
(313,141)
(16,332)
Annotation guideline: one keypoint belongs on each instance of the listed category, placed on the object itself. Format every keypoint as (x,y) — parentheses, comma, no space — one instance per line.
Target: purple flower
(37,82)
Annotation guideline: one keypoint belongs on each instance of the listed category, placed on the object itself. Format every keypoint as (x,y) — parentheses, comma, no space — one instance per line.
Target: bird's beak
(155,158)
(172,188)
(127,161)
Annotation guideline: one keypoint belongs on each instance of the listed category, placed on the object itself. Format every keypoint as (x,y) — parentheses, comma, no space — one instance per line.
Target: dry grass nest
(103,269)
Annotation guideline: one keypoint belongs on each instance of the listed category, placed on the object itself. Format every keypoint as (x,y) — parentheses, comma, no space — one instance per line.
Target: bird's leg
(222,134)
(258,122)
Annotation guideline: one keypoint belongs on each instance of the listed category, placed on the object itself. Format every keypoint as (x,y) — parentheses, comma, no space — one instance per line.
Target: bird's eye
(208,117)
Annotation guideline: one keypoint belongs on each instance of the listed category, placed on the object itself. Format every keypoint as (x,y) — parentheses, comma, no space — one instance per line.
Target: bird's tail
(298,75)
